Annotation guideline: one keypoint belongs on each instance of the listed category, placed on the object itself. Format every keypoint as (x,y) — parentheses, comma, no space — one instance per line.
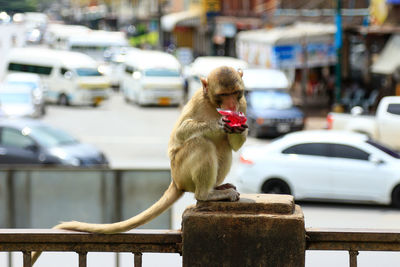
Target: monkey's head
(224,88)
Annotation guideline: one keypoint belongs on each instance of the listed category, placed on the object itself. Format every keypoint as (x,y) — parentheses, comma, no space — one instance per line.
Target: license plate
(283,127)
(97,100)
(164,101)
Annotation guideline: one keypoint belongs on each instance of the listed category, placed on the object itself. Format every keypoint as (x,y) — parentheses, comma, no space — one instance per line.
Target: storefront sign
(320,54)
(287,56)
(212,7)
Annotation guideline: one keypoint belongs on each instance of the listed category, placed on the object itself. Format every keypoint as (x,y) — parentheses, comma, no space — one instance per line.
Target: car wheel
(276,186)
(63,100)
(396,196)
(43,110)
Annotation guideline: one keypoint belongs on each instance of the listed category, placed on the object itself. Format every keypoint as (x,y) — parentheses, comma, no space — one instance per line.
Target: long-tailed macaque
(200,150)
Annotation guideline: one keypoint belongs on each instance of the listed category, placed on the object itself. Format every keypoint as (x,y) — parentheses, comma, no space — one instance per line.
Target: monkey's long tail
(171,195)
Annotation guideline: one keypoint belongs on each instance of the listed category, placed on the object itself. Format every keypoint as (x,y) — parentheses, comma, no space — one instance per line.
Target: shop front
(305,51)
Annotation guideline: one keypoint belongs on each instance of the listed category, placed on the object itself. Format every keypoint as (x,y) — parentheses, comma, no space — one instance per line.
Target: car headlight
(71,161)
(37,94)
(104,69)
(298,121)
(67,160)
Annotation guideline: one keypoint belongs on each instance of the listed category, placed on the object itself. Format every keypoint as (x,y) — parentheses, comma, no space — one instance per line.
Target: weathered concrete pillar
(259,230)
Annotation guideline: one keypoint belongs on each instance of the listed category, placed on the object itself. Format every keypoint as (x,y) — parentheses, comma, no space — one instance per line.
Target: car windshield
(83,72)
(384,149)
(161,73)
(14,98)
(30,84)
(50,137)
(269,99)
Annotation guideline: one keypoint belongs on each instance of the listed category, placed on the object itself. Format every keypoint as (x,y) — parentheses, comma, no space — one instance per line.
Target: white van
(96,42)
(202,66)
(70,77)
(152,78)
(98,45)
(57,35)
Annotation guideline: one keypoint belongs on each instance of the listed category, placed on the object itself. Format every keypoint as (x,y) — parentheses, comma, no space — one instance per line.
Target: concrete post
(259,230)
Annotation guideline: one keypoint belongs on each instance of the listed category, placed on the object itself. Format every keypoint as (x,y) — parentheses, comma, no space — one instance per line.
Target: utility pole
(338,68)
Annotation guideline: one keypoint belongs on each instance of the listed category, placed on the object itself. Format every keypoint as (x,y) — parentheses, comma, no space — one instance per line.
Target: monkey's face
(224,88)
(228,99)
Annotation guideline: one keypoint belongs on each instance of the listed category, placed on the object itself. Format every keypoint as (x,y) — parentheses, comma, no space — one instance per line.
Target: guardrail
(170,241)
(353,240)
(135,241)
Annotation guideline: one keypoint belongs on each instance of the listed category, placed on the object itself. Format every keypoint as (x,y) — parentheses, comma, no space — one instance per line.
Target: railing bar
(10,199)
(117,259)
(353,258)
(27,259)
(138,259)
(10,263)
(117,216)
(82,259)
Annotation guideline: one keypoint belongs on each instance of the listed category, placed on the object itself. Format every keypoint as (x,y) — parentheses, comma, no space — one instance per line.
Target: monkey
(200,151)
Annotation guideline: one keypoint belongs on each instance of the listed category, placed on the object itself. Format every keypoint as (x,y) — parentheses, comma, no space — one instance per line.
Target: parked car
(27,141)
(34,81)
(270,109)
(384,126)
(72,78)
(18,101)
(322,165)
(152,78)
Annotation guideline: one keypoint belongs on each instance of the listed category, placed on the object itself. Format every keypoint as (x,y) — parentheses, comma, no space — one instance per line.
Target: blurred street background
(114,76)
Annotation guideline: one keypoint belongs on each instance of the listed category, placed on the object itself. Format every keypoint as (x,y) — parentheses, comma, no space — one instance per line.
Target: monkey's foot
(225,186)
(233,195)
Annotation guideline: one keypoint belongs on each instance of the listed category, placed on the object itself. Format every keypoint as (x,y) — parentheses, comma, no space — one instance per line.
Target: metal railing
(170,241)
(135,241)
(353,241)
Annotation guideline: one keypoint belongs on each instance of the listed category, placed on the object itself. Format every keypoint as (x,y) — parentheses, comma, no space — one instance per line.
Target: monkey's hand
(223,122)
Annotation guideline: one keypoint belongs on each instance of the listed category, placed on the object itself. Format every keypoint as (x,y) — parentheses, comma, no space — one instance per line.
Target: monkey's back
(198,109)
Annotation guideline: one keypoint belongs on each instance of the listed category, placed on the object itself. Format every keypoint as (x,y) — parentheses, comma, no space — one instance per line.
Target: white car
(322,165)
(152,78)
(18,101)
(33,81)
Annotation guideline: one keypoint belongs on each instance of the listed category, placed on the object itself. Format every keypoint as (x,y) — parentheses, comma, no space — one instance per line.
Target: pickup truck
(384,126)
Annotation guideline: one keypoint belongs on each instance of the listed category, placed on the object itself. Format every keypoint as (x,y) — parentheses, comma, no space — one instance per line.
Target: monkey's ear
(205,84)
(240,71)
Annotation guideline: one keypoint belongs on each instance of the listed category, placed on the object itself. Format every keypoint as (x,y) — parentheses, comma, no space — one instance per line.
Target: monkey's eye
(218,99)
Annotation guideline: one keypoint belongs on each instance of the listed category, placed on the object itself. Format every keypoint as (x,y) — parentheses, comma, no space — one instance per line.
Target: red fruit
(236,119)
